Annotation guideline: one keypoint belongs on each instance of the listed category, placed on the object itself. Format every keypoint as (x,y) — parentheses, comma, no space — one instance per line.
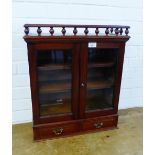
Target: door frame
(83,79)
(32,49)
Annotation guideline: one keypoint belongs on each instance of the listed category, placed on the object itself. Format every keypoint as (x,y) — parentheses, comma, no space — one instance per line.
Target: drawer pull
(98,125)
(58,131)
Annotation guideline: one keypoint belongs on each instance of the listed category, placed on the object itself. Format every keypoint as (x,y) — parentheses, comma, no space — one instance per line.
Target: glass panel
(99,99)
(54,77)
(100,78)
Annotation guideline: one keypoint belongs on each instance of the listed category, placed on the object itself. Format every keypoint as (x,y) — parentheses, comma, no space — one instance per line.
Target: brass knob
(82,84)
(98,125)
(58,131)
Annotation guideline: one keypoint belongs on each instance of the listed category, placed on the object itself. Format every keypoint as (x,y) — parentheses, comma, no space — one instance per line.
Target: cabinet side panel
(33,82)
(119,70)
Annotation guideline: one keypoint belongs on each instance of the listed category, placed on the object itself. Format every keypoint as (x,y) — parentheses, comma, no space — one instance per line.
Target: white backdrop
(119,12)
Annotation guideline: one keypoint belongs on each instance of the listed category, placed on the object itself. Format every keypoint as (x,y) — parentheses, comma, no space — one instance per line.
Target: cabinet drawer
(50,131)
(99,123)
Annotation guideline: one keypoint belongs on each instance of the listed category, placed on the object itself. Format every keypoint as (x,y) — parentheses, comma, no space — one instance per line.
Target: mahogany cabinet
(75,78)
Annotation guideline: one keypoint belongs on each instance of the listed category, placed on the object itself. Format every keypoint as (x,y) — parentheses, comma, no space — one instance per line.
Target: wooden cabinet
(75,79)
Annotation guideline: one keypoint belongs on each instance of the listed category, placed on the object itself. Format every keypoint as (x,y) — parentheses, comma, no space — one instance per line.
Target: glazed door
(99,81)
(57,70)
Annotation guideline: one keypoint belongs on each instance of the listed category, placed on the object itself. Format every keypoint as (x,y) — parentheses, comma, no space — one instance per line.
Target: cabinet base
(75,127)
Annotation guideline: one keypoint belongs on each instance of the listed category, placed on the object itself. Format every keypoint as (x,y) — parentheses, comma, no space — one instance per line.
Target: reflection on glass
(54,76)
(100,78)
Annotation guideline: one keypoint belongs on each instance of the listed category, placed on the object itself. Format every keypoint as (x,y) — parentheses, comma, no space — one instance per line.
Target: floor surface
(127,140)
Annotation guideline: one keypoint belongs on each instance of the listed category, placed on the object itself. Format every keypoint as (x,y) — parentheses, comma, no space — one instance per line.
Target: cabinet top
(51,31)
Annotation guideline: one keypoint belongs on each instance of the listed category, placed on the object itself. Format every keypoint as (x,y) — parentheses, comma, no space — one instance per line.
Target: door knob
(82,84)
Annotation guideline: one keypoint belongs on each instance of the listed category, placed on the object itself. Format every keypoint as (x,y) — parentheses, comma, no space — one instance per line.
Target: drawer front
(50,131)
(99,123)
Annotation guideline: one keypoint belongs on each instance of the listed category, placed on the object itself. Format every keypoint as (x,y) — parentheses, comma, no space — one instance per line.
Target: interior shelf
(67,66)
(55,87)
(105,64)
(54,67)
(63,87)
(99,84)
(93,103)
(50,78)
(50,108)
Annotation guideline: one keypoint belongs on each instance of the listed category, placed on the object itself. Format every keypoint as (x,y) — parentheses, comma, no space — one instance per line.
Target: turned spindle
(116,31)
(75,31)
(39,31)
(97,31)
(26,30)
(63,30)
(51,31)
(111,30)
(126,31)
(107,31)
(86,31)
(121,31)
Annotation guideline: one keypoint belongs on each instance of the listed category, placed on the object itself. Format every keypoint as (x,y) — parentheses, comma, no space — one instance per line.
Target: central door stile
(83,78)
